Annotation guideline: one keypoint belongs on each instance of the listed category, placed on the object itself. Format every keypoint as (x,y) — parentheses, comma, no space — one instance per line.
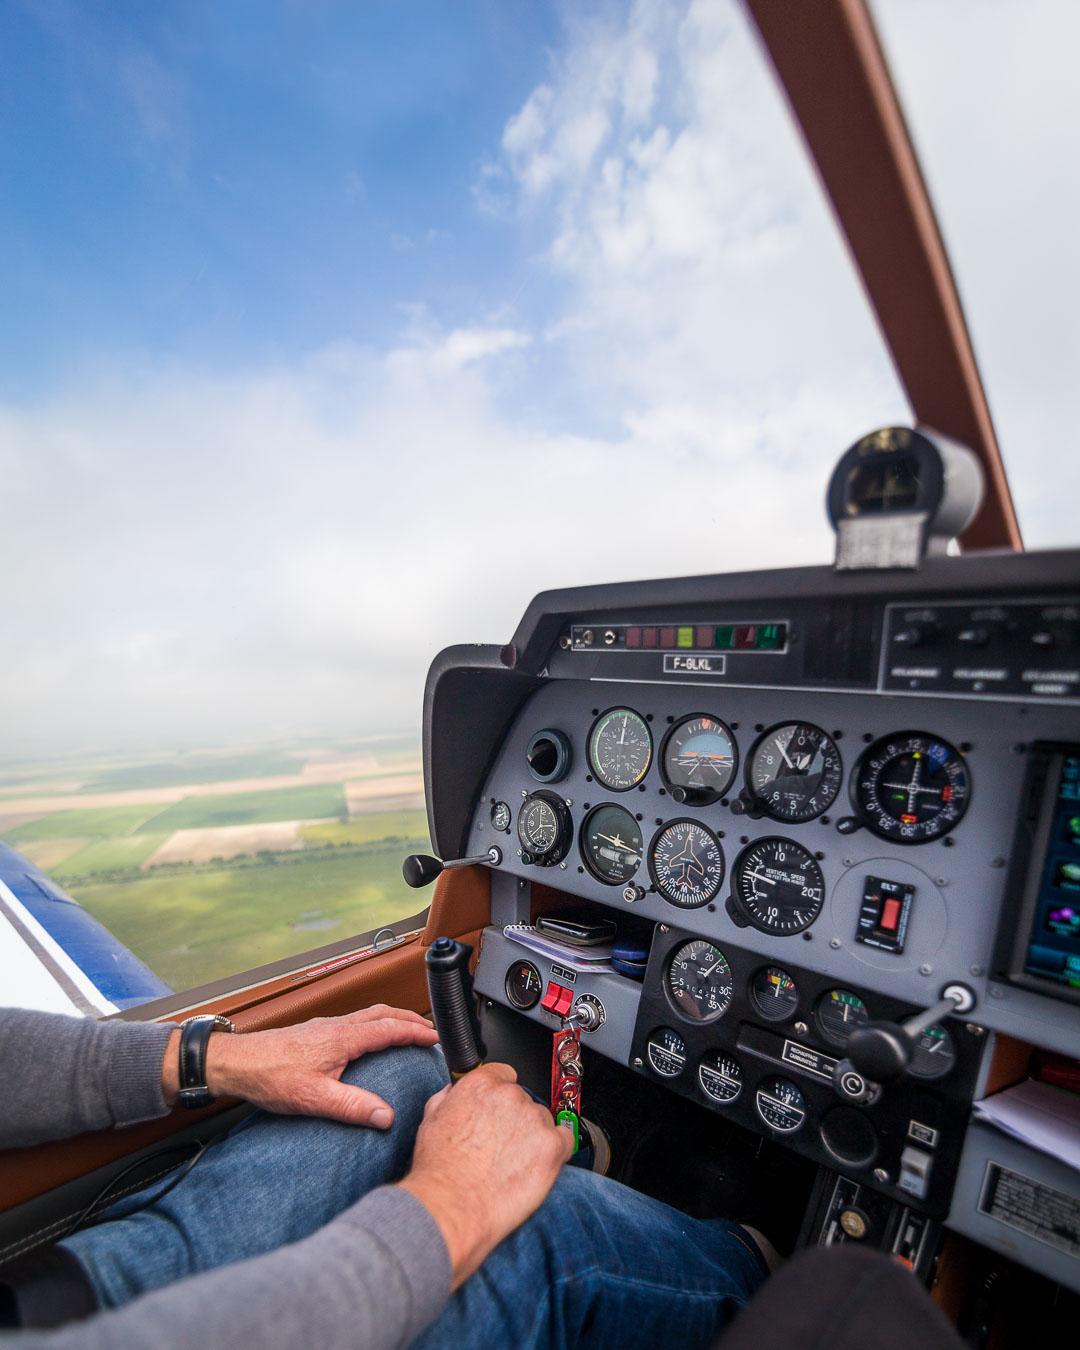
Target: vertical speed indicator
(777,886)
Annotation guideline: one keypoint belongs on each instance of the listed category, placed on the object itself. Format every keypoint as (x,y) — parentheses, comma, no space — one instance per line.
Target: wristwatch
(195,1032)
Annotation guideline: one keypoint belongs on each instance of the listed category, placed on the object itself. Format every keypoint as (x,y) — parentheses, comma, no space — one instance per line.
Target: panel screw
(801,1028)
(975,1030)
(940,881)
(997,862)
(488,1003)
(834,943)
(636,1061)
(996,993)
(926,968)
(976,970)
(880,1174)
(847,862)
(664,928)
(569,801)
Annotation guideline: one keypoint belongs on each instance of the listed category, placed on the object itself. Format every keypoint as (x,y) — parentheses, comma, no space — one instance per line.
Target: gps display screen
(1053,949)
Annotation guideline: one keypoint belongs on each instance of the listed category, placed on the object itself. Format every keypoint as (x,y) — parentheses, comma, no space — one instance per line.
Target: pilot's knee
(405,1076)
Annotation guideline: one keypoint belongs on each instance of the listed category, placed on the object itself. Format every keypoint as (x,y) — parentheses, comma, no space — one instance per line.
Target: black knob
(692,796)
(848,824)
(915,635)
(745,805)
(880,1051)
(420,869)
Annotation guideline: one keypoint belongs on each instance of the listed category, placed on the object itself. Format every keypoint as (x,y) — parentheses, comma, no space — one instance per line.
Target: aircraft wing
(54,956)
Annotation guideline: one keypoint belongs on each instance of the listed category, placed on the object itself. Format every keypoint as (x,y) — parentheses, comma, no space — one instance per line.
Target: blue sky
(333,332)
(244,181)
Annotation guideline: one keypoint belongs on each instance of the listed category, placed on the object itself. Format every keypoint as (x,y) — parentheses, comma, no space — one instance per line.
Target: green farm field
(221,881)
(201,924)
(251,808)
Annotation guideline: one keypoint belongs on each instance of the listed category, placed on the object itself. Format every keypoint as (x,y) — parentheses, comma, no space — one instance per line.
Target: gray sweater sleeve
(62,1076)
(372,1279)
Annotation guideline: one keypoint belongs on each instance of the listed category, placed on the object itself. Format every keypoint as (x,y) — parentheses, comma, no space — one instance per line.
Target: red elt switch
(556,999)
(633,637)
(890,916)
(648,637)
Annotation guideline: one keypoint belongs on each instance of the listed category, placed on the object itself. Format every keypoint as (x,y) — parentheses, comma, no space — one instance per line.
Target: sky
(333,333)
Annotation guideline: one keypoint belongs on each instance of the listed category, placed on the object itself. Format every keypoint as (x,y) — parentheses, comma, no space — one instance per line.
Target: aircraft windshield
(332,336)
(992,101)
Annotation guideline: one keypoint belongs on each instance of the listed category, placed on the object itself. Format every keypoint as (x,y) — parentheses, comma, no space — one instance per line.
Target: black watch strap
(195,1034)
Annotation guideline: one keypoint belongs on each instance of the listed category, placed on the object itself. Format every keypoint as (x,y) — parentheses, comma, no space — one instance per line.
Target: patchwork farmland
(212,862)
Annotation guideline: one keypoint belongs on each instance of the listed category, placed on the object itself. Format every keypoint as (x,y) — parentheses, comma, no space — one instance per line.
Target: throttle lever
(881,1051)
(452,1008)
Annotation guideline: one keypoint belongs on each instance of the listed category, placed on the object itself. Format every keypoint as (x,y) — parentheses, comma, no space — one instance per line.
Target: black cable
(86,1219)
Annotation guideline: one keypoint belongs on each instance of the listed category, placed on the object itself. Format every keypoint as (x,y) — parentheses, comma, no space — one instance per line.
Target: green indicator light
(768,637)
(725,638)
(684,637)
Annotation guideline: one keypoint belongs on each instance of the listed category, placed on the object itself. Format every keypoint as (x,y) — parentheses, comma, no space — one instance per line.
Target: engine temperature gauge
(780,1105)
(841,1012)
(774,993)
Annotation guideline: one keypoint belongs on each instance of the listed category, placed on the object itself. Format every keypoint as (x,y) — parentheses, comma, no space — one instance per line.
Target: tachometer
(699,760)
(780,1105)
(911,787)
(686,863)
(777,886)
(794,771)
(544,828)
(699,981)
(719,1077)
(620,749)
(611,844)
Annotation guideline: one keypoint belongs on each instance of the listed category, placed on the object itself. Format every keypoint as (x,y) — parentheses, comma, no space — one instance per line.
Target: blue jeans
(597,1263)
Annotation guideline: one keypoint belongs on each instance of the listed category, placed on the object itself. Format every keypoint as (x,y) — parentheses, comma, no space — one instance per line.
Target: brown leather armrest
(460,907)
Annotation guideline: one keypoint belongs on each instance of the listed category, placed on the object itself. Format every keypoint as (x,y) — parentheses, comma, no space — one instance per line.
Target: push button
(557,999)
(915,1168)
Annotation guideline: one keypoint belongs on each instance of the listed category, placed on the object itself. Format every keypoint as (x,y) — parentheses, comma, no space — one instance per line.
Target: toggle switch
(557,999)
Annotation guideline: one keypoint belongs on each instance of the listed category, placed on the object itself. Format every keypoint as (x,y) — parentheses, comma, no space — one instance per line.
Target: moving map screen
(1053,939)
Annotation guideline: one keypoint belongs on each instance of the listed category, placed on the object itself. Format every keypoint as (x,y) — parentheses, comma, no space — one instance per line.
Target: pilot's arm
(486,1156)
(63,1076)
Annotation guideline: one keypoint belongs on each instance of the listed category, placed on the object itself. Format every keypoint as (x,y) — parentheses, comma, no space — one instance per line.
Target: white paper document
(1047,1118)
(577,958)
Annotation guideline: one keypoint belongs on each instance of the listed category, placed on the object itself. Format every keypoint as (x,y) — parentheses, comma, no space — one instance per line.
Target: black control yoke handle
(881,1051)
(452,1008)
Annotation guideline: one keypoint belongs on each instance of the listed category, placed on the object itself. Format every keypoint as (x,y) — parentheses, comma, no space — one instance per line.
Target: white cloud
(207,553)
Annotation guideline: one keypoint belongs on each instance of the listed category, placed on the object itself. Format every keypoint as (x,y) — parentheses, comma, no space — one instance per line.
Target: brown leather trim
(833,70)
(460,907)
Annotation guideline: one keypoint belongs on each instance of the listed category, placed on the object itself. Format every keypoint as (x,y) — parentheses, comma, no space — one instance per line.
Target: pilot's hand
(486,1156)
(297,1070)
